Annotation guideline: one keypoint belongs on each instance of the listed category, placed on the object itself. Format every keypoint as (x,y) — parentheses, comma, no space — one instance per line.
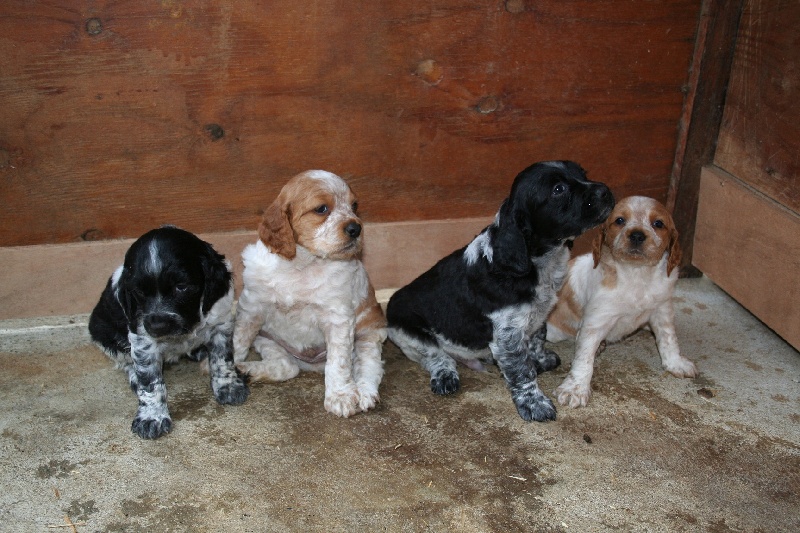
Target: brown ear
(675,253)
(597,246)
(275,231)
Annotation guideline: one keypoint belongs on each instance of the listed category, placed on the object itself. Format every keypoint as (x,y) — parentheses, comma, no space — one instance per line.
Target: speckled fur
(491,298)
(201,326)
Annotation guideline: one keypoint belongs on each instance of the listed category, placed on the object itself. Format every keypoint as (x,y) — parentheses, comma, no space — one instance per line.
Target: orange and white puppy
(625,283)
(307,302)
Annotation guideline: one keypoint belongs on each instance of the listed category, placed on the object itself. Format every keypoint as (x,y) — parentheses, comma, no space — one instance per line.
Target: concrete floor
(650,453)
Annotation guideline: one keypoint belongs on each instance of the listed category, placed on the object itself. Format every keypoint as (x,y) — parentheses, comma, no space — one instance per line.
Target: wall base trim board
(67,279)
(749,245)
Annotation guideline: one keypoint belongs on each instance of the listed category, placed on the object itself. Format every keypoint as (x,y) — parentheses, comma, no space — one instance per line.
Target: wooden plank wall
(747,236)
(118,116)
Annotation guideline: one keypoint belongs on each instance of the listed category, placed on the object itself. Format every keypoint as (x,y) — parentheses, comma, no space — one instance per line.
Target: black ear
(217,277)
(510,252)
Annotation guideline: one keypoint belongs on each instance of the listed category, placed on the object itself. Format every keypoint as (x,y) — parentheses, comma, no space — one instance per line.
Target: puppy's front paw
(342,403)
(533,405)
(233,393)
(151,427)
(681,368)
(573,393)
(368,398)
(445,382)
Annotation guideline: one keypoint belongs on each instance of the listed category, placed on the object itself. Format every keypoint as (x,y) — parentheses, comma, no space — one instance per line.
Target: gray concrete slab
(649,453)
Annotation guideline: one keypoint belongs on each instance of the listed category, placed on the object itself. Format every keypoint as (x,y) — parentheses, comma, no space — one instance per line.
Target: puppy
(307,301)
(491,298)
(173,296)
(624,284)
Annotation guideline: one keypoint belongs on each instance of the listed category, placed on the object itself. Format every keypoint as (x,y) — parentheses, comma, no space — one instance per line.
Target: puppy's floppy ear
(675,252)
(276,232)
(124,295)
(597,245)
(509,248)
(217,277)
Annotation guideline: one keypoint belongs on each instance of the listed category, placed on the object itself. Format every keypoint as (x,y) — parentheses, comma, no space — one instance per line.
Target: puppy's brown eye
(559,189)
(658,224)
(619,221)
(355,207)
(321,210)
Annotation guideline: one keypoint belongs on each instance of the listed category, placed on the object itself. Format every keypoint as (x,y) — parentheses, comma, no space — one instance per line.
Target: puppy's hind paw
(445,382)
(532,405)
(573,393)
(279,370)
(233,393)
(681,368)
(344,403)
(151,428)
(545,361)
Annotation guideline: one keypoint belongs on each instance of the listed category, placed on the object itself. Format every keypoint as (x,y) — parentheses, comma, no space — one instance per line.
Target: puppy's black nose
(353,229)
(637,237)
(160,325)
(600,197)
(603,195)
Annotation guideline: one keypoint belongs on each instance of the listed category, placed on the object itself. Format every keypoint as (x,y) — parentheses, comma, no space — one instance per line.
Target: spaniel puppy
(624,284)
(491,298)
(307,301)
(173,296)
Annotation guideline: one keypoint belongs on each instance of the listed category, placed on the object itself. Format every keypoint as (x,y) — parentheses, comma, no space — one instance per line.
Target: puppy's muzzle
(161,325)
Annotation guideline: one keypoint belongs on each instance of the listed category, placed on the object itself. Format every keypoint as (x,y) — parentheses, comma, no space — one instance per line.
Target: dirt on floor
(649,453)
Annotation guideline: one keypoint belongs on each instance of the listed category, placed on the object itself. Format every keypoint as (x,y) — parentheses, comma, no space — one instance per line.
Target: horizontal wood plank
(67,279)
(121,116)
(749,245)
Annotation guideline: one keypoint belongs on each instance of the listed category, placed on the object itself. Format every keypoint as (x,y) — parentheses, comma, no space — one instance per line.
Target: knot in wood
(215,131)
(430,71)
(94,26)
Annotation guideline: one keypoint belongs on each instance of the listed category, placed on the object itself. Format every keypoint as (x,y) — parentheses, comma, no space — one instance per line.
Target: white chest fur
(303,296)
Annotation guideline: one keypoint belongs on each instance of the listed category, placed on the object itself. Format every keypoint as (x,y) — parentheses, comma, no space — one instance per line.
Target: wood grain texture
(119,116)
(749,245)
(759,141)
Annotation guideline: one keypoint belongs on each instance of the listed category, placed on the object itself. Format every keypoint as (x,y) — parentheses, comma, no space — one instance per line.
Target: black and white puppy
(171,297)
(490,299)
